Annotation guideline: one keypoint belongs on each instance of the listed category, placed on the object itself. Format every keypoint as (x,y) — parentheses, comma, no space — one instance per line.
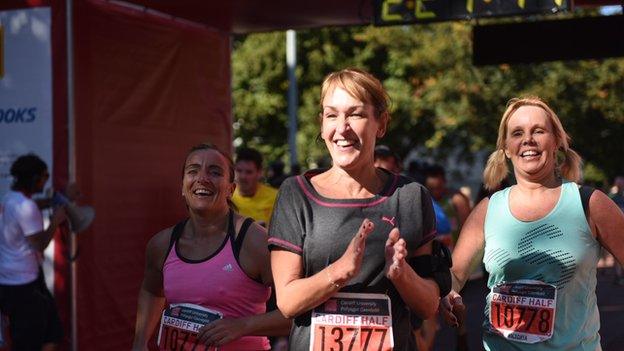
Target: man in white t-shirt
(33,320)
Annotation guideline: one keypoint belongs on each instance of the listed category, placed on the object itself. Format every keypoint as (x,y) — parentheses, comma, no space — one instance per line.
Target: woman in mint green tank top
(541,239)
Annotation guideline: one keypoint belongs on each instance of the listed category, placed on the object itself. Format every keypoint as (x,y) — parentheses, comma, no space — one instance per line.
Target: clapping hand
(350,263)
(395,252)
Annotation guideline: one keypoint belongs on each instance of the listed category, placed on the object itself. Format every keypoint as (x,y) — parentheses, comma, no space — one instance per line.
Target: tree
(440,100)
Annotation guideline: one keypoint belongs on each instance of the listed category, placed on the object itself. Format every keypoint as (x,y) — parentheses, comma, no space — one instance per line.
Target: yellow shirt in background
(259,206)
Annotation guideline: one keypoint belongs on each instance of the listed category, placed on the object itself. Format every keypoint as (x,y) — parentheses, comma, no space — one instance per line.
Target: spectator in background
(34,323)
(387,159)
(252,198)
(617,195)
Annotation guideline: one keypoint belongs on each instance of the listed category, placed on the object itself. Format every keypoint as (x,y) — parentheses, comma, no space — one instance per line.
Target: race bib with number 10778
(523,310)
(180,324)
(352,322)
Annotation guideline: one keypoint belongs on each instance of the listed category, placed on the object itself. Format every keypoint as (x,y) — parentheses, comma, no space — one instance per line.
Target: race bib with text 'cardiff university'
(180,324)
(352,322)
(523,310)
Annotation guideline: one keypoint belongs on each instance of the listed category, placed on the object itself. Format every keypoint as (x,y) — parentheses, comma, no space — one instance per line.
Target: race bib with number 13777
(352,322)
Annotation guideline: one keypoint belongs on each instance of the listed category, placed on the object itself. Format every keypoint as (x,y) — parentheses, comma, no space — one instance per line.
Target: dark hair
(210,146)
(27,170)
(277,167)
(435,171)
(415,169)
(384,152)
(249,154)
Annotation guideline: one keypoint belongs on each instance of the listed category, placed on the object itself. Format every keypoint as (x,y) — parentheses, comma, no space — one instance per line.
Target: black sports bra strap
(176,233)
(237,244)
(230,227)
(586,193)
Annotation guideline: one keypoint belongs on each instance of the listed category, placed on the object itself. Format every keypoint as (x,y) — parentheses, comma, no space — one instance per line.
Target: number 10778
(522,318)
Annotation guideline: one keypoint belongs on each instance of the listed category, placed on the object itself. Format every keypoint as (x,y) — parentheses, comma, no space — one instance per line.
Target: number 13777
(342,338)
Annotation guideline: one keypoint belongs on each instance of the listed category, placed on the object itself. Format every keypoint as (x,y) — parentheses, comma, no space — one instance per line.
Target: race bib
(180,324)
(352,322)
(523,310)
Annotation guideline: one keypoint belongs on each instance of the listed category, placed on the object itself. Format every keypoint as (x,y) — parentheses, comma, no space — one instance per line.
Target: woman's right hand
(452,309)
(349,264)
(59,215)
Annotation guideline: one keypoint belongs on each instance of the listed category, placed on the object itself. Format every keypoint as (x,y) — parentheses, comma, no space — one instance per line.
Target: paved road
(610,303)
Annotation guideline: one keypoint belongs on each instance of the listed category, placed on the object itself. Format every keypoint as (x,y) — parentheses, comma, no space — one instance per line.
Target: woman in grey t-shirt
(341,238)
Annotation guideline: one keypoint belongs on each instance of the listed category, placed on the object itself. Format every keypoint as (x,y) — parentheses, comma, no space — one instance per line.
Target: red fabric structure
(146,90)
(245,16)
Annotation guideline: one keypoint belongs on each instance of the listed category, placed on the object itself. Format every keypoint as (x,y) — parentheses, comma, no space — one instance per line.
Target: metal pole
(293,101)
(71,157)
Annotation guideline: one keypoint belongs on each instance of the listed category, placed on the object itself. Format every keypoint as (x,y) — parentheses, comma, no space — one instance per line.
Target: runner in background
(211,272)
(451,204)
(387,159)
(251,197)
(351,245)
(542,239)
(451,210)
(254,199)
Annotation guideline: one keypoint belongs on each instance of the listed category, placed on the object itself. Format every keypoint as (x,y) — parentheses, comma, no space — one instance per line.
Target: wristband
(331,281)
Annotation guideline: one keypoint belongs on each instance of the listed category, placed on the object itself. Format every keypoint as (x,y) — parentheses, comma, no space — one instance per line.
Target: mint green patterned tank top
(558,250)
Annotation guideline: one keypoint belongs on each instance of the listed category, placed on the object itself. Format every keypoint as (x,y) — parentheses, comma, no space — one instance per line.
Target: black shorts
(33,318)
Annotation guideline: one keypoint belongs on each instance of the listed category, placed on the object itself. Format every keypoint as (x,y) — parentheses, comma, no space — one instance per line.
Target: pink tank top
(218,283)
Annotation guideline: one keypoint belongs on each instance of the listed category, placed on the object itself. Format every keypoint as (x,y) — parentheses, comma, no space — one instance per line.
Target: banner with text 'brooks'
(26,97)
(25,88)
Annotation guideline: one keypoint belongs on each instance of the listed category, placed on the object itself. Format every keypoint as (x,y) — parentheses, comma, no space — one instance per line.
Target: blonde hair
(359,84)
(496,168)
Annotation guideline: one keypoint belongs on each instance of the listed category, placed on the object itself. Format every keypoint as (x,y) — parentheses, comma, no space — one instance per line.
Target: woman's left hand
(222,331)
(396,252)
(452,309)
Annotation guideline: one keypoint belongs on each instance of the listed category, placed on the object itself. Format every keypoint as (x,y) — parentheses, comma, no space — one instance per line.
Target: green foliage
(593,175)
(440,100)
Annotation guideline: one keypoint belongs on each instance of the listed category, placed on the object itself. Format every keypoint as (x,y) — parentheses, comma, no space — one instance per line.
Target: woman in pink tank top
(207,279)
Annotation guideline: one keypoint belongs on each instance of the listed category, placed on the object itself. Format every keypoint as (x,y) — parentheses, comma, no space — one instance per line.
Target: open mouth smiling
(529,154)
(202,192)
(344,143)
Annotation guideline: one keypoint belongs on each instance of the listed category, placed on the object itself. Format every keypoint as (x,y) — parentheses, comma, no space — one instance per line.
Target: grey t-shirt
(320,229)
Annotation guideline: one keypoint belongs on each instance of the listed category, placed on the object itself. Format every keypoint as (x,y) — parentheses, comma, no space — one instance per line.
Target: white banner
(26,96)
(25,88)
